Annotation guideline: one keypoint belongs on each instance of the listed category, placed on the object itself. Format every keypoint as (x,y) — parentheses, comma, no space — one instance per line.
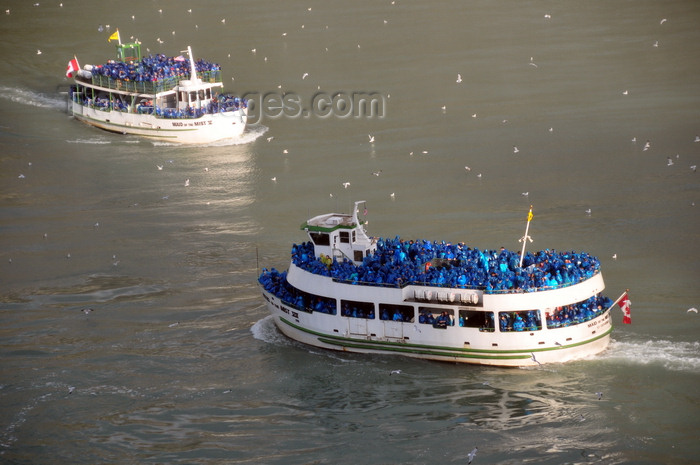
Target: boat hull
(206,129)
(453,344)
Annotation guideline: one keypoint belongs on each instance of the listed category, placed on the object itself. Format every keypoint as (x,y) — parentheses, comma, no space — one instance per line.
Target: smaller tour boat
(173,99)
(436,300)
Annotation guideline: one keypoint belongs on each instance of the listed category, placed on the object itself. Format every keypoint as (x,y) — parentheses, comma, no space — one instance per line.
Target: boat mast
(525,238)
(193,69)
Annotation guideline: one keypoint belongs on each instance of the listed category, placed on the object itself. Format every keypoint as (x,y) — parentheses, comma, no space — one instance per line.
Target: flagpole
(618,299)
(525,238)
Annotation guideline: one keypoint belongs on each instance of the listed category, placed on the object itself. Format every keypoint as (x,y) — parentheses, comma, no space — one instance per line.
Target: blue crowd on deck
(397,263)
(152,68)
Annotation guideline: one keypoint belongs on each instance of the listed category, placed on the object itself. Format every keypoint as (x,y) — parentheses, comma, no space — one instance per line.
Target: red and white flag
(625,305)
(72,67)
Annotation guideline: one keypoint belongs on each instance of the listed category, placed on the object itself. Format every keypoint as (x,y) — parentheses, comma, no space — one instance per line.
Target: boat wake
(31,98)
(266,331)
(677,356)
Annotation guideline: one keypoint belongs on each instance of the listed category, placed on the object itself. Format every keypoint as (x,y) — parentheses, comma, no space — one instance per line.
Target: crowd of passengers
(152,68)
(397,262)
(276,283)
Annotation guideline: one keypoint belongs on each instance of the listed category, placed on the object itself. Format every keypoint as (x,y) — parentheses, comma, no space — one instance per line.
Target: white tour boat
(167,98)
(434,300)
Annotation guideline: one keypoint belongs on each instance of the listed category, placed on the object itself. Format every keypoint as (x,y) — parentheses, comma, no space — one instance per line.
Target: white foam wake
(679,356)
(28,97)
(265,330)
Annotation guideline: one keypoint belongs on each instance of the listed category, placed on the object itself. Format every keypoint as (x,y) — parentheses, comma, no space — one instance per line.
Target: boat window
(438,317)
(183,96)
(344,237)
(476,319)
(208,93)
(323,304)
(519,321)
(574,314)
(358,255)
(193,96)
(355,309)
(320,238)
(392,312)
(354,236)
(201,94)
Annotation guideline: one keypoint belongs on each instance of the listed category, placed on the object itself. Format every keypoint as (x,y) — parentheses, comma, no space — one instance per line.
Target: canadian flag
(625,305)
(72,67)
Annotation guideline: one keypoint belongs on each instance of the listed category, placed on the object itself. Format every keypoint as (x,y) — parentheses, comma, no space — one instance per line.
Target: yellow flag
(114,36)
(529,216)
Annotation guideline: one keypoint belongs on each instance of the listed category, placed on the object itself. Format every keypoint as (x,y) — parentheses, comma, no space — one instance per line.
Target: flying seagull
(472,454)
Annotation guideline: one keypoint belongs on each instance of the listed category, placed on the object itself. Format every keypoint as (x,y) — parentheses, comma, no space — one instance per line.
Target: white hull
(208,128)
(451,344)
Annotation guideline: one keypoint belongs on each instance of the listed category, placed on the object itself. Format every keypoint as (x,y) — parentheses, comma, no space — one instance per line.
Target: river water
(178,361)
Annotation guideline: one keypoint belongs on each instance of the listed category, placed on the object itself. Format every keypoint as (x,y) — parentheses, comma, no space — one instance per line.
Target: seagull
(392,195)
(515,149)
(599,394)
(525,194)
(662,21)
(87,311)
(656,44)
(270,138)
(467,168)
(693,309)
(160,167)
(285,151)
(38,52)
(694,167)
(547,16)
(697,139)
(303,76)
(346,184)
(444,108)
(172,325)
(614,257)
(371,138)
(588,211)
(273,179)
(377,173)
(551,129)
(625,92)
(472,454)
(394,372)
(534,359)
(669,162)
(478,175)
(634,139)
(71,389)
(21,176)
(647,145)
(474,115)
(187,182)
(459,78)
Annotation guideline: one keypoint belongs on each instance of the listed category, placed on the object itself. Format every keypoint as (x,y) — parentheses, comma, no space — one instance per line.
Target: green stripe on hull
(440,351)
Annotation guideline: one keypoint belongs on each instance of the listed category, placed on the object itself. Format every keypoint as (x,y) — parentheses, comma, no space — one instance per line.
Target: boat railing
(484,289)
(151,87)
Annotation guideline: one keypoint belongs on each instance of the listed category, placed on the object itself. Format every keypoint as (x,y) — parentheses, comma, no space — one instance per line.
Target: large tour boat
(436,300)
(173,99)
